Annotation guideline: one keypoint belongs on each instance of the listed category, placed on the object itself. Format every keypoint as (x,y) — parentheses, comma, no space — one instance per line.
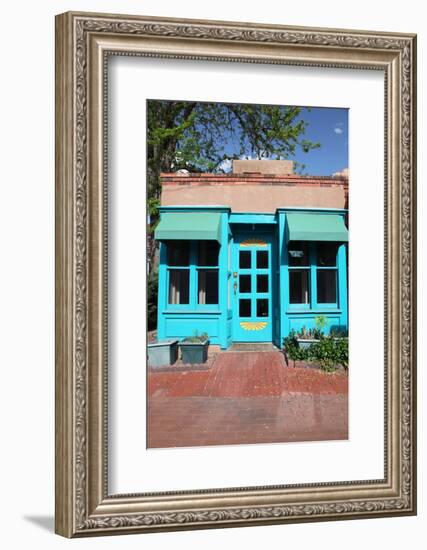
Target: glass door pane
(245,259)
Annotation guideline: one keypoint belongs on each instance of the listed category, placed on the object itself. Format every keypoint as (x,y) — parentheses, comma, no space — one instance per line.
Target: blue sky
(328,126)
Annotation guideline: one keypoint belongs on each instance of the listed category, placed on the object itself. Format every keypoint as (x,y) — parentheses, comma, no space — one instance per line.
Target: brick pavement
(246,397)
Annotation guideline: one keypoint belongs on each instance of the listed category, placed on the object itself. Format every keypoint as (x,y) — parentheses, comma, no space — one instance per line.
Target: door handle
(235,288)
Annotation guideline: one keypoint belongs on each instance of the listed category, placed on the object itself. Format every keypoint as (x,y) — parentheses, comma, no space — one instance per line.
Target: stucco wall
(253,194)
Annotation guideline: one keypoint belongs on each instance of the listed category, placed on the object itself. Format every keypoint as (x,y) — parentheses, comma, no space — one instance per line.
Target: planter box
(194,352)
(304,343)
(162,353)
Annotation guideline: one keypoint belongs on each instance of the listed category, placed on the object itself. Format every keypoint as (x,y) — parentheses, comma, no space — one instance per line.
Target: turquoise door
(252,259)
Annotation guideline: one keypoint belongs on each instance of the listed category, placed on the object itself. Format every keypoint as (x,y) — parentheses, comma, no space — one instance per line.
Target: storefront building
(249,256)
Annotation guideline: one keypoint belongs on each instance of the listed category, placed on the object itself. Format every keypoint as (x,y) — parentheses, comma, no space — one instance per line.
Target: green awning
(316,227)
(189,226)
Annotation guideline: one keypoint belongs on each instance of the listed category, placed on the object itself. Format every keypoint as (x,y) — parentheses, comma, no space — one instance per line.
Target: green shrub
(329,351)
(152,290)
(292,348)
(321,322)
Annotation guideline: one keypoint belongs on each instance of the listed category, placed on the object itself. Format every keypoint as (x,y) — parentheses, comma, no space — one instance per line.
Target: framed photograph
(235,274)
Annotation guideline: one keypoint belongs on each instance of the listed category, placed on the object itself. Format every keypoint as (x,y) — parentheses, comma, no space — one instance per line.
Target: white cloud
(225,165)
(338,128)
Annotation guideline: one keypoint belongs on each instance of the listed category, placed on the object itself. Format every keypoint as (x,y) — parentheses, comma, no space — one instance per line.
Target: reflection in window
(327,286)
(207,286)
(179,286)
(299,286)
(298,253)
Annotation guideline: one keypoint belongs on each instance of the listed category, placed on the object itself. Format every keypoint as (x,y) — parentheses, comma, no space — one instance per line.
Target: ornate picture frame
(84,42)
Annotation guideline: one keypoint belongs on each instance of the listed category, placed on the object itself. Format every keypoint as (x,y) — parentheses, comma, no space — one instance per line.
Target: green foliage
(292,348)
(152,290)
(329,351)
(153,204)
(194,135)
(321,322)
(197,338)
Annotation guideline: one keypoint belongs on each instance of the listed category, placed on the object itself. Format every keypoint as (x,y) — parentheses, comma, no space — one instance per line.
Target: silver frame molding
(83,43)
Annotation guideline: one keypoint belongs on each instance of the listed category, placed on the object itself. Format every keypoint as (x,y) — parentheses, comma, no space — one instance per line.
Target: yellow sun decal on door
(255,325)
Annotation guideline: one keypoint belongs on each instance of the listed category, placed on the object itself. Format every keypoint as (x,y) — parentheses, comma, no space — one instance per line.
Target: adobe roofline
(248,175)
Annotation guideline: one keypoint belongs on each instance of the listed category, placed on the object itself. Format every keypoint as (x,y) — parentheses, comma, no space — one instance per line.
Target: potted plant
(194,349)
(307,338)
(162,353)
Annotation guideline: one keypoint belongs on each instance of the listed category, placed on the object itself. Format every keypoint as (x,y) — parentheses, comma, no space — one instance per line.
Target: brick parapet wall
(172,179)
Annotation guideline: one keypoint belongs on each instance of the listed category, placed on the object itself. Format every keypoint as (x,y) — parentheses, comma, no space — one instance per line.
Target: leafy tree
(199,136)
(194,136)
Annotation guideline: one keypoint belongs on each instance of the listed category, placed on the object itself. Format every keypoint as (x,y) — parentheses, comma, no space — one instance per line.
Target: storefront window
(299,279)
(179,286)
(326,273)
(208,286)
(327,286)
(315,262)
(178,253)
(298,254)
(299,286)
(207,253)
(326,254)
(193,272)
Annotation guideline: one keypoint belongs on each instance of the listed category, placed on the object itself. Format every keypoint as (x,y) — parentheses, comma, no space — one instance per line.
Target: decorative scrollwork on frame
(83,27)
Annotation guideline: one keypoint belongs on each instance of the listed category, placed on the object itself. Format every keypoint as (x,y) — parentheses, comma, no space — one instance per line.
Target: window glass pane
(298,253)
(262,283)
(327,286)
(298,286)
(207,286)
(245,283)
(244,307)
(262,259)
(262,307)
(327,254)
(179,286)
(207,253)
(178,253)
(245,259)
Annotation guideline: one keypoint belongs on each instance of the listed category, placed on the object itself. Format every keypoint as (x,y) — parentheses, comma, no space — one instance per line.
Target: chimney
(277,167)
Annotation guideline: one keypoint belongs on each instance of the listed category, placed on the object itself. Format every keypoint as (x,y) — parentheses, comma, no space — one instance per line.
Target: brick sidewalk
(246,398)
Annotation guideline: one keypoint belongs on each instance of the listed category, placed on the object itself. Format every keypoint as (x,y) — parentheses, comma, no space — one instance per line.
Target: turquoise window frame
(313,268)
(193,291)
